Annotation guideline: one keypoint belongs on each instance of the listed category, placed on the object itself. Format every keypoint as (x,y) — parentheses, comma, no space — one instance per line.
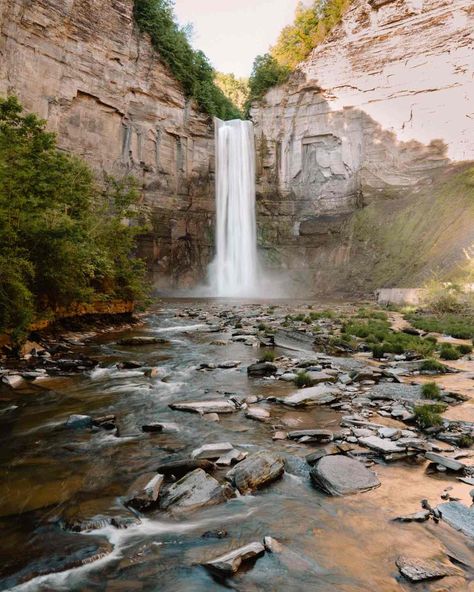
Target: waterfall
(234,270)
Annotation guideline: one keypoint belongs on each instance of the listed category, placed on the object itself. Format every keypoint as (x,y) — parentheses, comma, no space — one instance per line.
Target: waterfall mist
(234,271)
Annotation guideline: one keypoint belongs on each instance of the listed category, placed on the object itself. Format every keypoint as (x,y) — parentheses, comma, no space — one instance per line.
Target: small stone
(420,516)
(229,364)
(255,471)
(211,416)
(202,407)
(152,427)
(79,422)
(212,451)
(195,490)
(257,413)
(445,461)
(231,457)
(272,545)
(390,433)
(419,570)
(230,562)
(280,435)
(143,493)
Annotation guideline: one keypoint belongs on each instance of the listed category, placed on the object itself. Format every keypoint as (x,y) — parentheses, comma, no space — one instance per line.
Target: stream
(53,476)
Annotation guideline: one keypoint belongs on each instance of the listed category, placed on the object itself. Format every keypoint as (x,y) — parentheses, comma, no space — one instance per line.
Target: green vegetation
(303,379)
(464,349)
(268,356)
(431,390)
(235,89)
(310,27)
(62,237)
(448,352)
(190,67)
(465,441)
(368,313)
(431,365)
(324,314)
(428,416)
(460,326)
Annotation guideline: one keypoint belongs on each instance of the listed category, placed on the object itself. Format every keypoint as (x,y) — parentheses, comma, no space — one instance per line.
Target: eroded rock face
(85,68)
(357,134)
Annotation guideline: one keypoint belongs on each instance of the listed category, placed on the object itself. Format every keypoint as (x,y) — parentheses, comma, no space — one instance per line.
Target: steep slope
(83,66)
(360,144)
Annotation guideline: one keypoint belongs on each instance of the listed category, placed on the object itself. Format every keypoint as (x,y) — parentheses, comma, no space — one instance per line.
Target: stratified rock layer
(85,68)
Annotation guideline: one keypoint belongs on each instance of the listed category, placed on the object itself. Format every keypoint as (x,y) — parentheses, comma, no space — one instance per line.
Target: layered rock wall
(377,114)
(83,66)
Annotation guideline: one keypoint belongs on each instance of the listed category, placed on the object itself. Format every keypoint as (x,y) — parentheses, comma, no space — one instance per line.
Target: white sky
(233,32)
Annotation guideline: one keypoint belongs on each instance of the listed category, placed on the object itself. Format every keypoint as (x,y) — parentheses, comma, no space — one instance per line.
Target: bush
(432,365)
(428,416)
(303,379)
(266,73)
(464,349)
(378,351)
(62,237)
(268,356)
(431,390)
(448,352)
(466,441)
(190,67)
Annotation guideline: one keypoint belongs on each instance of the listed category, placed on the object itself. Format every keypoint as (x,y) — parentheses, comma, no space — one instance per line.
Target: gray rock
(135,341)
(230,562)
(257,413)
(256,471)
(419,570)
(445,461)
(14,381)
(319,377)
(288,377)
(193,491)
(321,394)
(314,435)
(152,427)
(272,545)
(143,493)
(229,364)
(211,416)
(180,468)
(458,516)
(231,457)
(396,392)
(203,407)
(420,516)
(79,422)
(390,433)
(261,369)
(212,451)
(340,475)
(380,445)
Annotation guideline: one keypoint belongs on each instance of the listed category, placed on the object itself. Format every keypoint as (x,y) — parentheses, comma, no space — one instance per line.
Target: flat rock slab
(458,516)
(143,493)
(193,491)
(229,364)
(419,570)
(396,392)
(340,475)
(231,457)
(420,516)
(143,341)
(202,407)
(319,377)
(315,435)
(261,369)
(321,394)
(381,445)
(230,562)
(256,471)
(212,451)
(257,413)
(445,461)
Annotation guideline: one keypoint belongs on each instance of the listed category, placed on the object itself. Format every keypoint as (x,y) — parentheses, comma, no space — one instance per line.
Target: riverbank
(74,443)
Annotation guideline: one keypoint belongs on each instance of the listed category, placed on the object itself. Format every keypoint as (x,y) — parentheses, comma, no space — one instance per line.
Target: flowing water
(50,474)
(234,270)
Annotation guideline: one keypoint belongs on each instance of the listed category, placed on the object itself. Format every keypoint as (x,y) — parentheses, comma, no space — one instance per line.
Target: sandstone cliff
(83,66)
(355,152)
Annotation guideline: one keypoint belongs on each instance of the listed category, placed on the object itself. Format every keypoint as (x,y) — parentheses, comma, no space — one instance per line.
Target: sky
(233,32)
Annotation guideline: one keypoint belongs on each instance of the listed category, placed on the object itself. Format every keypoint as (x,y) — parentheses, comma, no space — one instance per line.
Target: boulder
(340,475)
(231,457)
(230,562)
(272,545)
(256,471)
(204,407)
(179,468)
(261,369)
(195,490)
(419,570)
(257,413)
(143,493)
(321,394)
(212,451)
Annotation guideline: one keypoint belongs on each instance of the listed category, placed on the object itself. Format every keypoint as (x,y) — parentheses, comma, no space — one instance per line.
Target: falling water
(234,270)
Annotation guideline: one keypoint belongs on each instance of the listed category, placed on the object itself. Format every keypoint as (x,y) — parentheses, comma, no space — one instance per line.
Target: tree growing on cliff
(236,89)
(62,236)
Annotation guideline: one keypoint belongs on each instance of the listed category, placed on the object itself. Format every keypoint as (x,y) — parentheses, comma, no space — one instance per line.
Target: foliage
(235,89)
(190,67)
(465,441)
(303,379)
(460,326)
(431,365)
(428,416)
(464,349)
(268,356)
(266,73)
(431,390)
(62,238)
(448,352)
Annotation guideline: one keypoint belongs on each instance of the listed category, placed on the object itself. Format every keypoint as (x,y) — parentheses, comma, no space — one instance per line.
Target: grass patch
(268,356)
(431,390)
(460,326)
(303,379)
(465,349)
(466,441)
(448,352)
(368,313)
(428,416)
(431,365)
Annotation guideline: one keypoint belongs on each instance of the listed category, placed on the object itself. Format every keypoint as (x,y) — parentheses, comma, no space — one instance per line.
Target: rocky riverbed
(234,445)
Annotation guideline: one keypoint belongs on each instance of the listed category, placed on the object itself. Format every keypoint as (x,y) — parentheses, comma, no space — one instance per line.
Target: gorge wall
(360,182)
(83,66)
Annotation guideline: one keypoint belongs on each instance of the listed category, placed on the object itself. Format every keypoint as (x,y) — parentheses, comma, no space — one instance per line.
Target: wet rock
(152,427)
(230,562)
(195,490)
(229,364)
(97,522)
(340,475)
(212,451)
(316,395)
(272,545)
(203,407)
(136,341)
(14,381)
(288,377)
(280,435)
(445,461)
(260,369)
(179,468)
(257,413)
(106,422)
(130,365)
(458,516)
(143,493)
(419,570)
(215,534)
(381,445)
(256,471)
(312,435)
(420,516)
(320,377)
(211,416)
(231,457)
(152,372)
(79,422)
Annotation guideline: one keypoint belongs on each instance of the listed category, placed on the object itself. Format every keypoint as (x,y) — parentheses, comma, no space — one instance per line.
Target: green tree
(235,89)
(62,236)
(266,72)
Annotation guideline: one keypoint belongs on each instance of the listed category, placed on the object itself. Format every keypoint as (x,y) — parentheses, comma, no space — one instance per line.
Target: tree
(235,89)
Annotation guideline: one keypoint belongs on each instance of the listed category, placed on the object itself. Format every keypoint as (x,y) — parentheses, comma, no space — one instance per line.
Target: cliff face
(83,66)
(361,136)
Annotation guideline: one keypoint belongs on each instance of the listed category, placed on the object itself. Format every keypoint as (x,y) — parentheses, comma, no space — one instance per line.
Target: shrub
(378,351)
(466,441)
(448,352)
(303,379)
(268,356)
(464,349)
(190,67)
(431,365)
(431,390)
(428,416)
(266,72)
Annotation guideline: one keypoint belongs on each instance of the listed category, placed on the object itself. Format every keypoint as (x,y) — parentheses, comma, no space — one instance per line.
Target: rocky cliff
(83,66)
(359,176)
